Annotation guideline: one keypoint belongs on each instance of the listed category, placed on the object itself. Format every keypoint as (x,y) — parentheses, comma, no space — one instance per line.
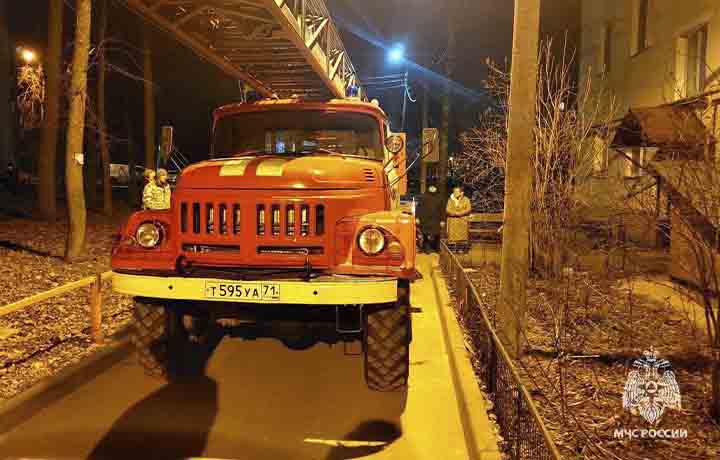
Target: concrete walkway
(263,401)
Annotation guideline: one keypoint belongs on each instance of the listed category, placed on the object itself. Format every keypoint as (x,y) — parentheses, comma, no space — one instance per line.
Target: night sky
(189,89)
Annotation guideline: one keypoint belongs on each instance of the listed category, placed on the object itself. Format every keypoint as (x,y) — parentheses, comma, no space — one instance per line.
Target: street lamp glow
(396,54)
(28,56)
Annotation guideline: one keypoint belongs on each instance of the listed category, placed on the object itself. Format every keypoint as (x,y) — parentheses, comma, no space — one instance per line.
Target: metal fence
(520,424)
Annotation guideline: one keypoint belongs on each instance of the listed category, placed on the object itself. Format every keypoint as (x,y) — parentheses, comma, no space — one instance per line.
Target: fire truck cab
(291,231)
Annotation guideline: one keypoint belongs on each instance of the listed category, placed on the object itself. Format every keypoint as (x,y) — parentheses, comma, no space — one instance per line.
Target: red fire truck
(291,231)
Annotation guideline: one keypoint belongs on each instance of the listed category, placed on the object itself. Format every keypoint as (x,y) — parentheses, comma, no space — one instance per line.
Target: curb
(479,435)
(23,406)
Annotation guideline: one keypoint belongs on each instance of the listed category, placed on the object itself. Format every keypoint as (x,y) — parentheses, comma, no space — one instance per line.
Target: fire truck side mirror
(394,144)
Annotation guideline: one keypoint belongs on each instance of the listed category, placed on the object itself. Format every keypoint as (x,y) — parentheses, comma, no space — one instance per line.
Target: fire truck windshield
(297,133)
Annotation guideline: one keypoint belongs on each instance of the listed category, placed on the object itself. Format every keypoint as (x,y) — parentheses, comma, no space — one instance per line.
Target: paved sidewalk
(263,401)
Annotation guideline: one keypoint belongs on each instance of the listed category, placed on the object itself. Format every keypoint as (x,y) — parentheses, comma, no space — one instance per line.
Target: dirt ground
(600,326)
(40,340)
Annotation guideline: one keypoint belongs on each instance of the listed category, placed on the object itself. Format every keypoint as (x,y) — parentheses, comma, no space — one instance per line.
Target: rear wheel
(164,347)
(387,348)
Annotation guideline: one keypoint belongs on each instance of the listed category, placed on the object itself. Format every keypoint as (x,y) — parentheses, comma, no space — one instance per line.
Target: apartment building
(660,60)
(651,52)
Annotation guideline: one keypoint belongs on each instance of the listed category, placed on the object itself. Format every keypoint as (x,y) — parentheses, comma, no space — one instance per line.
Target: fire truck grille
(209,218)
(275,219)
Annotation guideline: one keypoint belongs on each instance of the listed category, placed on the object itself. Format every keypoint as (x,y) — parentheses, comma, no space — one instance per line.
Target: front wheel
(387,348)
(165,348)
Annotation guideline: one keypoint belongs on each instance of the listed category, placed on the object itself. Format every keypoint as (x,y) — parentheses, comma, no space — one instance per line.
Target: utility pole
(149,92)
(447,102)
(518,175)
(425,124)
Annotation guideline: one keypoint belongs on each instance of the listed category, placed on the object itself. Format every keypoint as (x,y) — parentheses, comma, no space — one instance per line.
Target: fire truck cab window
(297,133)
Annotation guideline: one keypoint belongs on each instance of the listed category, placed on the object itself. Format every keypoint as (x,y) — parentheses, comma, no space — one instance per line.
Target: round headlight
(148,235)
(371,241)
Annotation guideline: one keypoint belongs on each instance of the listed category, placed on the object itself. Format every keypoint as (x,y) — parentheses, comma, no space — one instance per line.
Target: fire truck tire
(387,348)
(163,346)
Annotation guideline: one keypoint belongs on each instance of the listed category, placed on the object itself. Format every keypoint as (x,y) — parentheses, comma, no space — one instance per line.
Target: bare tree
(692,182)
(76,124)
(47,201)
(6,66)
(567,144)
(102,15)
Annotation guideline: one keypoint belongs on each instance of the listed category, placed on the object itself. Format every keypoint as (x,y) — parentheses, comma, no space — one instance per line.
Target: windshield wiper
(327,151)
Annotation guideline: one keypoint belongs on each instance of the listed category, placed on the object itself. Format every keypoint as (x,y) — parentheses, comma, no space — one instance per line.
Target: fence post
(96,310)
(518,422)
(492,364)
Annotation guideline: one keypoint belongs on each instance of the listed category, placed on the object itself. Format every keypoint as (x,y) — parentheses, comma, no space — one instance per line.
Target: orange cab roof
(349,105)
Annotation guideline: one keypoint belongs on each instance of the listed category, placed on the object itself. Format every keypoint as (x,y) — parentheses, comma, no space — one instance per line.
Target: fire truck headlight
(148,235)
(371,241)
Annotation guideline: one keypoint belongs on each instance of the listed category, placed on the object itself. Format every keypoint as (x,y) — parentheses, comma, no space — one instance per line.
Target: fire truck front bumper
(325,290)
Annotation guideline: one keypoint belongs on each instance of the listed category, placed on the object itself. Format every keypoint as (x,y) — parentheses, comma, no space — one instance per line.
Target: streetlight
(396,54)
(28,56)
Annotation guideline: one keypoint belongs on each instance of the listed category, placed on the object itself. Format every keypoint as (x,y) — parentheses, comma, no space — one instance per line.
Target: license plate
(239,291)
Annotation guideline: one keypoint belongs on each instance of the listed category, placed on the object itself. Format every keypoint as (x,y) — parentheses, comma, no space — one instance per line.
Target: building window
(691,63)
(640,42)
(696,61)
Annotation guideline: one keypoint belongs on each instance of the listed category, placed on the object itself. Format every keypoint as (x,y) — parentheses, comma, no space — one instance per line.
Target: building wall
(650,76)
(619,67)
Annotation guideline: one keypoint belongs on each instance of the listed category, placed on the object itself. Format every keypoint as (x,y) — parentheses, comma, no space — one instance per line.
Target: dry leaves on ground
(600,329)
(40,340)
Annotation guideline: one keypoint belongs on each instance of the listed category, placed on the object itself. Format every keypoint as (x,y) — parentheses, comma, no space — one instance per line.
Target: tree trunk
(518,175)
(149,101)
(447,103)
(47,169)
(76,124)
(134,195)
(91,159)
(102,126)
(7,72)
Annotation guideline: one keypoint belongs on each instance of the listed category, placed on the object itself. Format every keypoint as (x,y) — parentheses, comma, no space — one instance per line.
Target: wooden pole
(425,124)
(518,175)
(96,310)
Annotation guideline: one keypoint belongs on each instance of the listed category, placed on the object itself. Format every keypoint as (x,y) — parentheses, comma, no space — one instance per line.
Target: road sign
(166,142)
(431,145)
